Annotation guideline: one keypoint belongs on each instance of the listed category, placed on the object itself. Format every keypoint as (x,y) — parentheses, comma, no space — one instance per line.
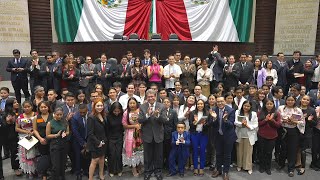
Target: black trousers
(115,155)
(289,148)
(58,154)
(265,152)
(153,157)
(1,168)
(278,143)
(166,152)
(19,85)
(316,148)
(223,152)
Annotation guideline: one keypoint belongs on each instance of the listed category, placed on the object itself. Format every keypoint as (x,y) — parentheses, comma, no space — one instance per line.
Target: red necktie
(103,67)
(124,69)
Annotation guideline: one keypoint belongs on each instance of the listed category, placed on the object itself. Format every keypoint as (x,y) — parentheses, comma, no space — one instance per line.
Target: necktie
(238,102)
(3,104)
(124,69)
(85,126)
(71,109)
(147,62)
(277,103)
(187,65)
(103,67)
(220,121)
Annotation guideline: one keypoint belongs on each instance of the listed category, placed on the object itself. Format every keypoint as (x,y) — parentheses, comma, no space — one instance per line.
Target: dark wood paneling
(40,25)
(118,48)
(265,26)
(317,50)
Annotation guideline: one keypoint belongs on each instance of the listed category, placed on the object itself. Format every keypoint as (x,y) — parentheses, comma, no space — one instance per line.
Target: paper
(297,75)
(28,144)
(241,118)
(296,116)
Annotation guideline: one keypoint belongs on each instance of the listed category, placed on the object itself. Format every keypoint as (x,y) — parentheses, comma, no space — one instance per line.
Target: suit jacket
(34,71)
(231,79)
(127,76)
(281,72)
(171,121)
(246,72)
(193,127)
(79,130)
(313,93)
(96,132)
(144,62)
(15,75)
(187,76)
(85,72)
(73,84)
(216,65)
(173,93)
(297,68)
(66,110)
(226,126)
(51,79)
(106,75)
(251,131)
(261,78)
(152,127)
(174,138)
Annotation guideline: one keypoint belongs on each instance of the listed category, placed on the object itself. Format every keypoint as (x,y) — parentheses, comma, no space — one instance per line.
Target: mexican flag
(196,20)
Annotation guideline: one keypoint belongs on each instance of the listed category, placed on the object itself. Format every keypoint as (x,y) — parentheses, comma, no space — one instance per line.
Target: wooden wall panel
(40,25)
(317,50)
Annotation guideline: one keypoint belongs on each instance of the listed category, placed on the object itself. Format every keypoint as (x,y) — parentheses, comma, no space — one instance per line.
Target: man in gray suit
(216,64)
(152,117)
(87,72)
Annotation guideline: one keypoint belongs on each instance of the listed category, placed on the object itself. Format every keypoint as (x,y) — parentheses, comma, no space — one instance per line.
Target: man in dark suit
(34,70)
(79,143)
(216,64)
(246,70)
(124,73)
(19,79)
(52,98)
(152,117)
(147,60)
(87,72)
(295,66)
(222,120)
(103,73)
(51,74)
(231,74)
(177,91)
(281,66)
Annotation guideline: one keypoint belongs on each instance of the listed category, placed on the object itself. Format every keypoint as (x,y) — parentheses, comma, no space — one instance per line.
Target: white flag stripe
(98,23)
(211,22)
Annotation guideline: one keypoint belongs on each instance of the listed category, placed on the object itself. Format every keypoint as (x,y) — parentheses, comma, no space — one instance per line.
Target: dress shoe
(268,172)
(79,177)
(215,174)
(291,174)
(5,157)
(261,170)
(159,177)
(147,177)
(171,174)
(181,175)
(225,176)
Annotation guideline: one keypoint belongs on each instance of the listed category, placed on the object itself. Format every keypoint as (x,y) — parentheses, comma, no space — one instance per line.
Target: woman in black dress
(97,137)
(115,139)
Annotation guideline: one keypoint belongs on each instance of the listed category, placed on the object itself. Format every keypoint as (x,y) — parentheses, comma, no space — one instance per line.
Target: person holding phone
(97,138)
(199,136)
(57,130)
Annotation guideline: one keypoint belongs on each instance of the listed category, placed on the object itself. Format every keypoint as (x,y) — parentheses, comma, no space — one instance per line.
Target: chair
(173,37)
(155,37)
(125,38)
(117,37)
(133,37)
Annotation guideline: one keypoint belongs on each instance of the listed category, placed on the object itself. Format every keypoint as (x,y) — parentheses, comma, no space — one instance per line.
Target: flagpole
(154,17)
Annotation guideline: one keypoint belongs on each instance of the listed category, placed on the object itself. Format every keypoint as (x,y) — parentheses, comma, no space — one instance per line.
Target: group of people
(150,116)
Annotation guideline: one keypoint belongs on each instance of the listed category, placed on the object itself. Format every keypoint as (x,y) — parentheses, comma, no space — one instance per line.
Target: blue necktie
(277,103)
(220,121)
(3,104)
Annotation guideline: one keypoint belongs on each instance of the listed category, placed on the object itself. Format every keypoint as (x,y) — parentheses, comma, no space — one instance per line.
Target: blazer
(193,127)
(106,74)
(245,72)
(226,126)
(297,68)
(313,93)
(188,74)
(85,71)
(261,78)
(231,79)
(15,75)
(79,130)
(252,124)
(51,77)
(74,82)
(171,121)
(144,62)
(281,72)
(174,138)
(216,65)
(96,132)
(66,110)
(120,70)
(152,127)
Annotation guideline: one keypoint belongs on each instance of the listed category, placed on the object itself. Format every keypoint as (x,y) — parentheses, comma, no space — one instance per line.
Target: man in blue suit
(180,143)
(222,119)
(79,143)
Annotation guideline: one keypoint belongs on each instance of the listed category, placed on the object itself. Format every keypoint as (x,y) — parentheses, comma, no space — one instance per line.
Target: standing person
(271,72)
(51,74)
(147,60)
(204,78)
(189,71)
(171,73)
(34,70)
(138,73)
(124,72)
(87,73)
(24,129)
(103,73)
(246,70)
(39,130)
(155,72)
(57,130)
(151,116)
(19,79)
(281,66)
(231,74)
(316,76)
(185,109)
(315,163)
(305,141)
(39,96)
(259,74)
(199,136)
(115,139)
(2,139)
(130,93)
(71,75)
(169,126)
(246,122)
(222,119)
(216,64)
(79,131)
(133,147)
(308,71)
(293,121)
(97,137)
(269,122)
(295,66)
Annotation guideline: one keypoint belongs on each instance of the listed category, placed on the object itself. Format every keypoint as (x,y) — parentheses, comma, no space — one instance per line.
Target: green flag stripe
(241,11)
(151,20)
(66,18)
